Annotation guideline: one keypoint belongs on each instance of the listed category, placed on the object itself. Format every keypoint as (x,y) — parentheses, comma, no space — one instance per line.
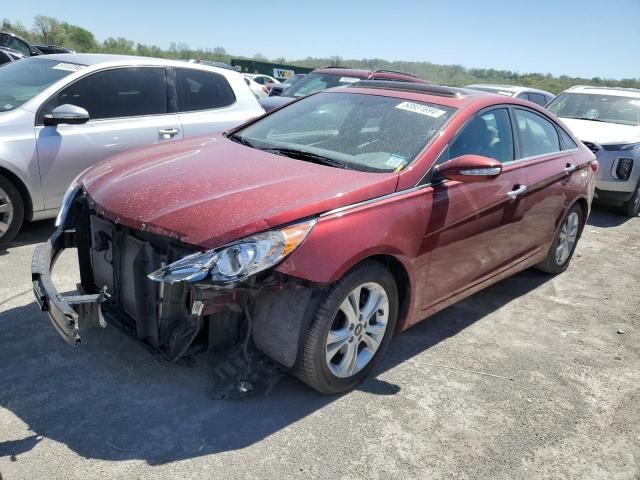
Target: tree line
(52,31)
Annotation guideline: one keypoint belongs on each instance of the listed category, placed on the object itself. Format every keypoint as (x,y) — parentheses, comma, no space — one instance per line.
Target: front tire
(631,208)
(564,242)
(11,211)
(351,329)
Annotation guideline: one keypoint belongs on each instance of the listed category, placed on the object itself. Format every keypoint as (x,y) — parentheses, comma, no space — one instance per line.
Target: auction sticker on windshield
(349,79)
(68,67)
(421,109)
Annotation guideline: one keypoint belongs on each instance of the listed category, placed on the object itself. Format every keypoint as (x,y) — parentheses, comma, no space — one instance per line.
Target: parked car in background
(277,89)
(534,95)
(14,42)
(212,63)
(51,49)
(607,120)
(329,77)
(316,232)
(59,114)
(8,55)
(259,91)
(262,79)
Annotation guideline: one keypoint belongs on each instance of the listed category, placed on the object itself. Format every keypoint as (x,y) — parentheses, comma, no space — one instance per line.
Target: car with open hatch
(315,233)
(59,114)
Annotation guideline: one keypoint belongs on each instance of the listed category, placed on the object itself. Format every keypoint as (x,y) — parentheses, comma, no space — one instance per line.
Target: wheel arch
(403,282)
(22,189)
(584,205)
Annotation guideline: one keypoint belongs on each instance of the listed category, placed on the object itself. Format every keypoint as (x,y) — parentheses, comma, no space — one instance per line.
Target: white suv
(607,120)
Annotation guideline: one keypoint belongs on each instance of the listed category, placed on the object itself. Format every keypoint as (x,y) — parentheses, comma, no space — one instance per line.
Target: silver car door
(127,107)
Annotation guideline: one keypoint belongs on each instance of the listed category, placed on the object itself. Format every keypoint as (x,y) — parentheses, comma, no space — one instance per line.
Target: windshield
(315,82)
(349,130)
(21,81)
(598,108)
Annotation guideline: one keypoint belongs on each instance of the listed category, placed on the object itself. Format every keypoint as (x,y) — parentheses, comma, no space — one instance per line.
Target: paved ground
(536,377)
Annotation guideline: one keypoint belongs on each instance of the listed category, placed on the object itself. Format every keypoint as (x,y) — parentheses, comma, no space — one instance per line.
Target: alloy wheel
(6,212)
(568,237)
(357,330)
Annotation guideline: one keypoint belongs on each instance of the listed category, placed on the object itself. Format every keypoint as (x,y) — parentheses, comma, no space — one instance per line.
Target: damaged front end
(177,301)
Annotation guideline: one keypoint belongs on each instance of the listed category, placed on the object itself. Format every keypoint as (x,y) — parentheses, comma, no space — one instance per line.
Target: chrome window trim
(537,157)
(373,200)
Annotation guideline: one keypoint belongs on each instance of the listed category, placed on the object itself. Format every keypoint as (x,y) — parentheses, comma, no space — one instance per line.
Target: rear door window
(116,93)
(538,98)
(538,136)
(488,134)
(200,90)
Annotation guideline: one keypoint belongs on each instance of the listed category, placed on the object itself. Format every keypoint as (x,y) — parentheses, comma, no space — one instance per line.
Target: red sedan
(316,232)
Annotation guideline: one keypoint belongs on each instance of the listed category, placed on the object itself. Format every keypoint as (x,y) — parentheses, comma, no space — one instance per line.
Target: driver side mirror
(66,114)
(470,168)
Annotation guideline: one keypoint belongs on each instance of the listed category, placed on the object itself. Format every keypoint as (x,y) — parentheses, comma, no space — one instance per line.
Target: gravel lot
(536,377)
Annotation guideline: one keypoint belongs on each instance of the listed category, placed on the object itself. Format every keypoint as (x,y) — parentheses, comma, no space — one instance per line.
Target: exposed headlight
(238,260)
(67,200)
(622,168)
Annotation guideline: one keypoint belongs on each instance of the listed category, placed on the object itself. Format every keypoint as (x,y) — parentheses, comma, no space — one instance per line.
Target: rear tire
(631,208)
(564,242)
(351,329)
(11,211)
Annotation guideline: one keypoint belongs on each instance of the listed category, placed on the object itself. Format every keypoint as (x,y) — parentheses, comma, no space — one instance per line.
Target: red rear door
(553,176)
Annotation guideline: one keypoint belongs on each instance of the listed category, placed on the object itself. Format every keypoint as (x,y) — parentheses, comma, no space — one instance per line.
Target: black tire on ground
(631,208)
(551,264)
(9,228)
(313,368)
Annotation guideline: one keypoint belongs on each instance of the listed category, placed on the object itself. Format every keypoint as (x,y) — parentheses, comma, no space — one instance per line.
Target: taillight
(622,168)
(595,166)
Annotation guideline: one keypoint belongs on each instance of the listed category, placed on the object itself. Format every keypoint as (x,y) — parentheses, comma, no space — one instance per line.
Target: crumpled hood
(601,132)
(210,191)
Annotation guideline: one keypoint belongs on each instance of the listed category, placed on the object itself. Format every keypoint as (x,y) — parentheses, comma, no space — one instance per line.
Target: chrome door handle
(569,168)
(168,132)
(517,192)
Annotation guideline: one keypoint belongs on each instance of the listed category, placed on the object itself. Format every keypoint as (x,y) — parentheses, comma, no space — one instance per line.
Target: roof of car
(90,59)
(437,94)
(508,88)
(347,72)
(619,91)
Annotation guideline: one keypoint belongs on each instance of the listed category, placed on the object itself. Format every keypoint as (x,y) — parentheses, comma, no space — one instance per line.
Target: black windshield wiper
(308,156)
(242,140)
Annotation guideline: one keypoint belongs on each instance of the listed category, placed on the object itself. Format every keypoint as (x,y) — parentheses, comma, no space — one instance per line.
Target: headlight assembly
(238,260)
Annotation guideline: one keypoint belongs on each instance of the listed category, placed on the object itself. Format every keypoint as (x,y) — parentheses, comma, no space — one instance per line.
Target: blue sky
(586,38)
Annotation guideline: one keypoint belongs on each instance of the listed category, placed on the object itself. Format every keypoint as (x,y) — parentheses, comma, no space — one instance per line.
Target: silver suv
(607,120)
(59,114)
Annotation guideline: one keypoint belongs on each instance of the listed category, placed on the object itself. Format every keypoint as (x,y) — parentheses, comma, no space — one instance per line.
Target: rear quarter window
(538,136)
(200,90)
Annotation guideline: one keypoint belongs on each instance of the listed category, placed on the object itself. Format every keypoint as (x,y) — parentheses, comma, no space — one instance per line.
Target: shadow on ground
(110,399)
(30,233)
(603,215)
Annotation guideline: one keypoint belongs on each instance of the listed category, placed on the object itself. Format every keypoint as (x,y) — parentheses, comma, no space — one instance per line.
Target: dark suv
(11,41)
(328,77)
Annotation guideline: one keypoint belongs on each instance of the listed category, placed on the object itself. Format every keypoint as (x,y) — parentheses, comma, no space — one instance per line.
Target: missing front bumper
(65,311)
